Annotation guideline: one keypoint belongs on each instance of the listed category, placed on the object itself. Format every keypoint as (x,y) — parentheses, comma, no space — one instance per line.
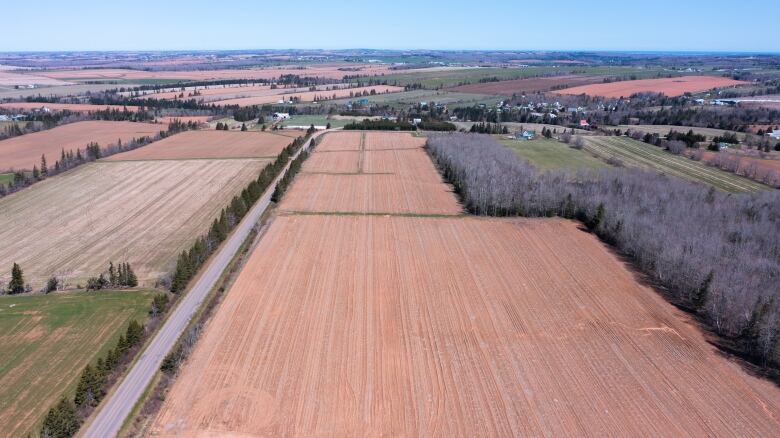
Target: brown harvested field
(668,86)
(530,85)
(308,96)
(142,212)
(25,151)
(407,326)
(209,144)
(75,107)
(370,172)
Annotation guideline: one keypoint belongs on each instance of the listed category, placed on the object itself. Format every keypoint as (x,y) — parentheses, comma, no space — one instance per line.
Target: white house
(281,116)
(775,134)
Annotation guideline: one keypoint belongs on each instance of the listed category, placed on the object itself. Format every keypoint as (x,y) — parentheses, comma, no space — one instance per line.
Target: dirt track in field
(25,151)
(668,86)
(392,325)
(142,212)
(209,144)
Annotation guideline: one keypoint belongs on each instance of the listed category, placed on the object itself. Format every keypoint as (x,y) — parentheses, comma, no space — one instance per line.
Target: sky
(650,25)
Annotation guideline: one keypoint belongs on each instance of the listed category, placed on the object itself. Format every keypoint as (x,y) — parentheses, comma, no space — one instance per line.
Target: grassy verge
(545,154)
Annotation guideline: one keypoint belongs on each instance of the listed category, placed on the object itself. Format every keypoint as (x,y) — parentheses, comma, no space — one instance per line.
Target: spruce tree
(113,279)
(61,421)
(16,286)
(44,169)
(130,279)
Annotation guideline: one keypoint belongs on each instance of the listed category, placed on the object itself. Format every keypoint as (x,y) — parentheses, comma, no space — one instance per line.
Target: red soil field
(216,93)
(668,86)
(75,107)
(25,151)
(341,141)
(531,85)
(209,144)
(308,96)
(370,172)
(407,326)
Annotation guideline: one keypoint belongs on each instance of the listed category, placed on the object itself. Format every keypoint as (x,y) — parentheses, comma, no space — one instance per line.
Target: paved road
(117,407)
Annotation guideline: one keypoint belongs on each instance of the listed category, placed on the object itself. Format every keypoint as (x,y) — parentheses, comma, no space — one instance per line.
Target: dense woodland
(716,254)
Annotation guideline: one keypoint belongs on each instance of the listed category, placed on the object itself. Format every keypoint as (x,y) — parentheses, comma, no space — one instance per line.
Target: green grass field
(634,153)
(6,178)
(316,120)
(45,342)
(547,154)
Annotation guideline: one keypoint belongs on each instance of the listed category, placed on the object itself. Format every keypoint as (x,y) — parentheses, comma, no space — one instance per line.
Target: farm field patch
(409,326)
(529,85)
(75,107)
(46,341)
(141,212)
(25,151)
(370,172)
(634,153)
(309,96)
(553,155)
(209,144)
(669,86)
(308,120)
(404,98)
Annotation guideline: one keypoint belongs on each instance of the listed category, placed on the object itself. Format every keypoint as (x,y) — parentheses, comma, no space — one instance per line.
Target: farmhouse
(775,134)
(584,123)
(281,116)
(525,135)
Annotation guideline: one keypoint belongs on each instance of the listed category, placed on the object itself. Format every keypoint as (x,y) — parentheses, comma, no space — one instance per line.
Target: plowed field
(209,144)
(25,151)
(371,172)
(668,86)
(398,326)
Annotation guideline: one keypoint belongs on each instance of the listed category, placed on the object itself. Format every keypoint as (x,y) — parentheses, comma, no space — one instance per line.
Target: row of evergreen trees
(488,128)
(189,261)
(65,418)
(285,181)
(120,276)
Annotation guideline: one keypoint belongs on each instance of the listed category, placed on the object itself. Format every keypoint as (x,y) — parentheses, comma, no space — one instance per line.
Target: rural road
(118,405)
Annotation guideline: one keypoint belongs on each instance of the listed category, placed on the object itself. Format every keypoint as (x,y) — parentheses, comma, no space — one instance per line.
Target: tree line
(717,254)
(118,276)
(189,261)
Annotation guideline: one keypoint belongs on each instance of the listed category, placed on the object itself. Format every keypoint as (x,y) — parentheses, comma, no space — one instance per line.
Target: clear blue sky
(680,25)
